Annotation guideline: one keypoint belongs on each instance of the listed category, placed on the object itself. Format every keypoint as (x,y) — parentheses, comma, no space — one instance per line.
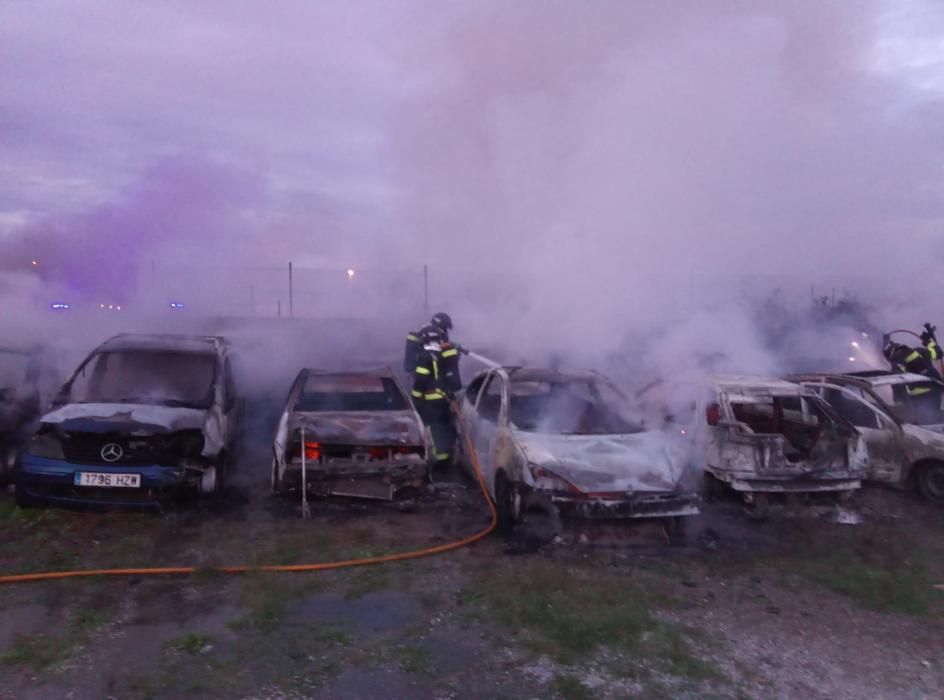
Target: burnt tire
(507,503)
(21,497)
(931,481)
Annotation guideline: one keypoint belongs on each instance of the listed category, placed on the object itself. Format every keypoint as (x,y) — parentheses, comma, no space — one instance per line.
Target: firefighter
(432,389)
(925,401)
(915,360)
(441,323)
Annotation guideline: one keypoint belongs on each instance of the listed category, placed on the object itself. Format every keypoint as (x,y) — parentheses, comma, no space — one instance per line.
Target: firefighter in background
(924,402)
(440,323)
(436,380)
(910,360)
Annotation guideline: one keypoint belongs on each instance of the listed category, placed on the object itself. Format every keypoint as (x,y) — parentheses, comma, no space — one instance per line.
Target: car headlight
(46,446)
(546,480)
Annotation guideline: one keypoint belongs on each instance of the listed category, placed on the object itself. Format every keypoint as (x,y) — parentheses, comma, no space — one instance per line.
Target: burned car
(762,436)
(567,443)
(900,416)
(21,372)
(356,434)
(142,418)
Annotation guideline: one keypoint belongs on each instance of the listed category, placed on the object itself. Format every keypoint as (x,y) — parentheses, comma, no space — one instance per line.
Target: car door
(491,415)
(882,435)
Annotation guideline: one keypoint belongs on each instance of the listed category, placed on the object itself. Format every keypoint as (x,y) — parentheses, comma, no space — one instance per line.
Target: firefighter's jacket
(916,361)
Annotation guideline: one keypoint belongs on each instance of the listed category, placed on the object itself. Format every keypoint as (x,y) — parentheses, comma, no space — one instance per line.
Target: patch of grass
(571,688)
(880,569)
(36,651)
(190,643)
(569,613)
(264,596)
(366,579)
(41,651)
(676,654)
(89,620)
(414,659)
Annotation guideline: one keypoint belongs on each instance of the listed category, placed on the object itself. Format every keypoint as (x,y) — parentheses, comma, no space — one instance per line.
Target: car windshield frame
(201,402)
(356,399)
(616,409)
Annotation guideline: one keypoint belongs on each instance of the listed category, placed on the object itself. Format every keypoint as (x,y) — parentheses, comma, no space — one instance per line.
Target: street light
(35,263)
(350,273)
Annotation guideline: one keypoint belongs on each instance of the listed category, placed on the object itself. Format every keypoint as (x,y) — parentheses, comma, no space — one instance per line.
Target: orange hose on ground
(321,566)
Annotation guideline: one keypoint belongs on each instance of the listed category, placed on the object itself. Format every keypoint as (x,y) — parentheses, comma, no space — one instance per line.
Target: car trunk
(364,454)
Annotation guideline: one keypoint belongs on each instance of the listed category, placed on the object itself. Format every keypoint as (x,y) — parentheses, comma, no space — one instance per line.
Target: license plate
(117,481)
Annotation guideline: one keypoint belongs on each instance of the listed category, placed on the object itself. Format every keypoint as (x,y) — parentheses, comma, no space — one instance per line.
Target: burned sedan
(901,418)
(356,434)
(763,436)
(21,372)
(566,443)
(143,417)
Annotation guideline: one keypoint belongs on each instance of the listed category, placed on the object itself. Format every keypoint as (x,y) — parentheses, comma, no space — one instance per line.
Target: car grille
(86,448)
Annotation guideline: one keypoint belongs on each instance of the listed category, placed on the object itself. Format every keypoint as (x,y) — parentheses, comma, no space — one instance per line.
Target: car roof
(537,374)
(207,344)
(871,378)
(755,385)
(365,372)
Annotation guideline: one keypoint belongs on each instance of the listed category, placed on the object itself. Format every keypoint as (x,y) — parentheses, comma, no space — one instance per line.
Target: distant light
(176,305)
(855,344)
(59,306)
(350,273)
(851,359)
(111,307)
(35,263)
(101,306)
(865,335)
(118,308)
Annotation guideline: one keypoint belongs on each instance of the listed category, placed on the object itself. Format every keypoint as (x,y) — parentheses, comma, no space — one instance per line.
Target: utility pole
(291,292)
(280,307)
(426,290)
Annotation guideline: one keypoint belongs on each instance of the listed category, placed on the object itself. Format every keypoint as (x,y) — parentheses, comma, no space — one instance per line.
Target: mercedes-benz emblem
(112,452)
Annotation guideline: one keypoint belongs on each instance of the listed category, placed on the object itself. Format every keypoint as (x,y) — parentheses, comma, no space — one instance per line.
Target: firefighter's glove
(463,350)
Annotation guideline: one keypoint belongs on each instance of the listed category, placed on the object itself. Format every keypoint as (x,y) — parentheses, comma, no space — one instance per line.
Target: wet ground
(799,604)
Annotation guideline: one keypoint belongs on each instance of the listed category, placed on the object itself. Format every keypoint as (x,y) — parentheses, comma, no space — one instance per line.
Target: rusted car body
(565,442)
(357,431)
(762,436)
(143,417)
(900,416)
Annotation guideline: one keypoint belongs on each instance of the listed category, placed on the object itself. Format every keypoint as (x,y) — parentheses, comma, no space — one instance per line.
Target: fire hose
(318,566)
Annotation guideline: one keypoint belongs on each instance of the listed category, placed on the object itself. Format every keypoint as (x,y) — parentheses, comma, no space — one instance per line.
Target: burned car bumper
(608,506)
(57,482)
(788,483)
(360,480)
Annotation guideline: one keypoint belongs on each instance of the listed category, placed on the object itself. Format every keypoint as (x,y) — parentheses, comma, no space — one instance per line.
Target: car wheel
(675,529)
(931,481)
(21,497)
(507,503)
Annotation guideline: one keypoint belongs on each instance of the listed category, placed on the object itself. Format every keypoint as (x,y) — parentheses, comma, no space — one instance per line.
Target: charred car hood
(133,419)
(639,462)
(360,427)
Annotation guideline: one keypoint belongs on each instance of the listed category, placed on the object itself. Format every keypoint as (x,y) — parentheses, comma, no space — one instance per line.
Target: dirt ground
(797,605)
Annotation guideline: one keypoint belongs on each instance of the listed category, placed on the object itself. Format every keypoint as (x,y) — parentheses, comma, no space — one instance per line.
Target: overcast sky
(585,149)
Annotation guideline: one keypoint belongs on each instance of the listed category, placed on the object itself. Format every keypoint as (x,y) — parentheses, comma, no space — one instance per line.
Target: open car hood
(650,461)
(359,427)
(134,419)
